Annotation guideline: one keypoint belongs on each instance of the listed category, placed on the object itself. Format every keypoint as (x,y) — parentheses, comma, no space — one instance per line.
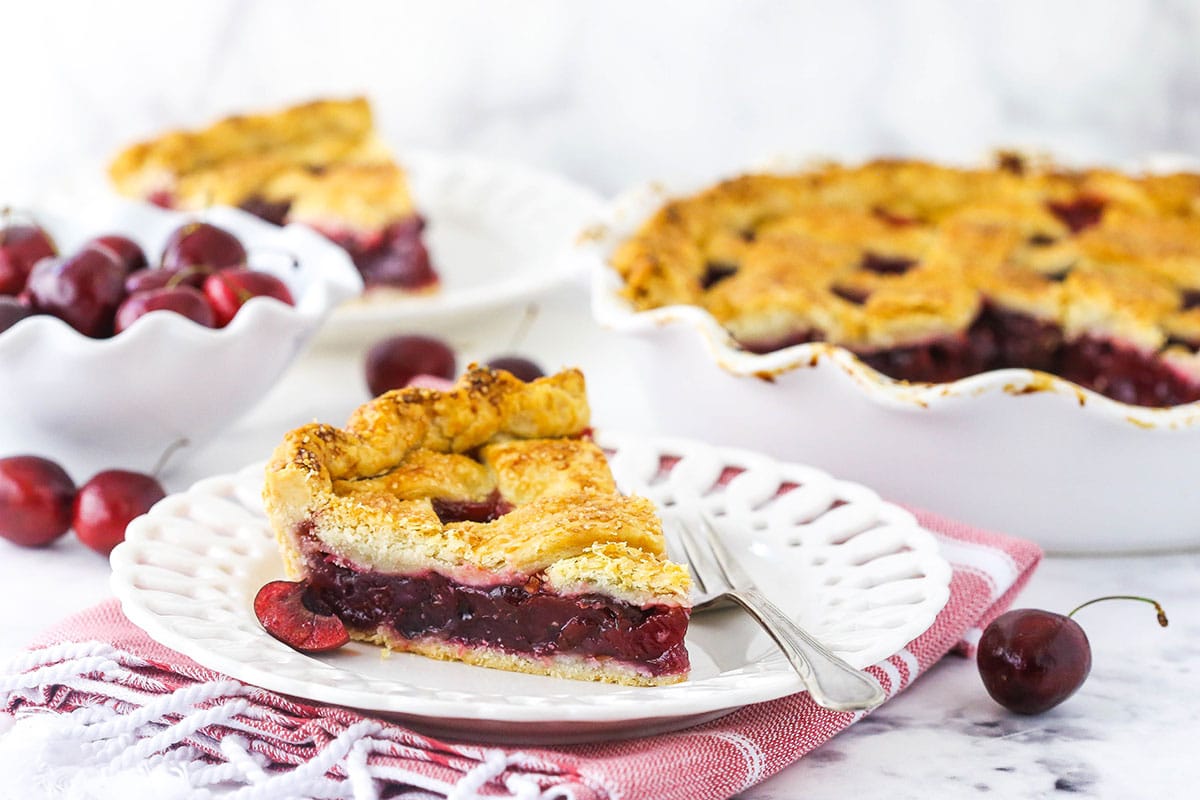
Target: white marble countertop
(1127,733)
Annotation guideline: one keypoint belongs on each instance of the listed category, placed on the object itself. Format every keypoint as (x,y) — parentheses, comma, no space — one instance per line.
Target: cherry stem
(1162,615)
(185,273)
(172,448)
(523,325)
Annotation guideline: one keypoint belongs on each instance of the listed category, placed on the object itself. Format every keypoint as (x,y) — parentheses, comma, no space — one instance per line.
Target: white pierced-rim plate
(498,233)
(857,572)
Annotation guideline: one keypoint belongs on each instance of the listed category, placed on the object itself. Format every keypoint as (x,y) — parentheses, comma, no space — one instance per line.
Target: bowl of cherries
(128,329)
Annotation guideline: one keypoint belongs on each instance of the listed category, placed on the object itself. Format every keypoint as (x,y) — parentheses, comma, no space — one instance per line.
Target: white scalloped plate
(859,573)
(498,233)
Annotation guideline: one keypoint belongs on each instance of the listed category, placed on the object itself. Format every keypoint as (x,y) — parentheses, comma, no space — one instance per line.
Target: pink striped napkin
(128,705)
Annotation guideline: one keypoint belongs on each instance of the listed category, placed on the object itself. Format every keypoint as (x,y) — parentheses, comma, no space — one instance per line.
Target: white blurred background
(615,92)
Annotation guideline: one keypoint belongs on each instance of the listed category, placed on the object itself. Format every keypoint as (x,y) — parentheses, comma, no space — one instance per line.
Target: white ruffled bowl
(1014,450)
(95,404)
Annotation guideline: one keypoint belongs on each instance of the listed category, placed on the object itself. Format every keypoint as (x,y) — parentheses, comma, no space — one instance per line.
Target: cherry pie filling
(1001,339)
(395,256)
(522,618)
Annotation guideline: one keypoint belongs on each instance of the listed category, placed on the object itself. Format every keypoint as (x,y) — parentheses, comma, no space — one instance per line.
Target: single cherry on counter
(35,500)
(107,503)
(518,366)
(393,362)
(1031,660)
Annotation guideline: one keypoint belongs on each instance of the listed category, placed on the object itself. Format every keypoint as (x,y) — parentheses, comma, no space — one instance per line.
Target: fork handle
(832,682)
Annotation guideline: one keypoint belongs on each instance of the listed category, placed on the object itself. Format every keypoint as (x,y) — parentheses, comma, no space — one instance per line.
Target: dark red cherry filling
(1000,339)
(453,510)
(271,211)
(887,265)
(396,258)
(715,272)
(1080,213)
(1125,373)
(519,618)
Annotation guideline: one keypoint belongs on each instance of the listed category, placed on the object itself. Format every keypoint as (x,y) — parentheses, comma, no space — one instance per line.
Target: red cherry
(518,367)
(393,362)
(230,289)
(21,246)
(35,500)
(294,615)
(199,244)
(184,300)
(107,503)
(83,290)
(12,311)
(1032,660)
(126,251)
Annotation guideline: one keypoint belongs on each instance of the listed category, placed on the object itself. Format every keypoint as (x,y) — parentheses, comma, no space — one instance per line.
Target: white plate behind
(498,233)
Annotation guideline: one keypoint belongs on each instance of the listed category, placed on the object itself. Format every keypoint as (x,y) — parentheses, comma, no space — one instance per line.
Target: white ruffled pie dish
(95,404)
(1014,450)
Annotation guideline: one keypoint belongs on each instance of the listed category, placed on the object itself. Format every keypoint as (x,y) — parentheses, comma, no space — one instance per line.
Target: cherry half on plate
(292,614)
(1031,660)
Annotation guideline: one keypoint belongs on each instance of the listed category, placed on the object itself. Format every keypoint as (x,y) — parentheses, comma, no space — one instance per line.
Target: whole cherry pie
(320,164)
(930,273)
(482,524)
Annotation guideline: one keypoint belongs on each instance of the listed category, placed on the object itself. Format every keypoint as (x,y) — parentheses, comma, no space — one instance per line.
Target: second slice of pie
(482,524)
(320,164)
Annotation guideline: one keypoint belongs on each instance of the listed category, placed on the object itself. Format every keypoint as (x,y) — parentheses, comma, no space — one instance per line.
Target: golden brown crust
(800,252)
(365,492)
(321,157)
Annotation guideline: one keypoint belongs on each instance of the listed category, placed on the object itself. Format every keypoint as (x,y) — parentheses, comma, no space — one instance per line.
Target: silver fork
(832,682)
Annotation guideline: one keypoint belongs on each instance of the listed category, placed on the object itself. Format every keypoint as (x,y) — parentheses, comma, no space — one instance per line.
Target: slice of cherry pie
(482,524)
(930,273)
(320,164)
